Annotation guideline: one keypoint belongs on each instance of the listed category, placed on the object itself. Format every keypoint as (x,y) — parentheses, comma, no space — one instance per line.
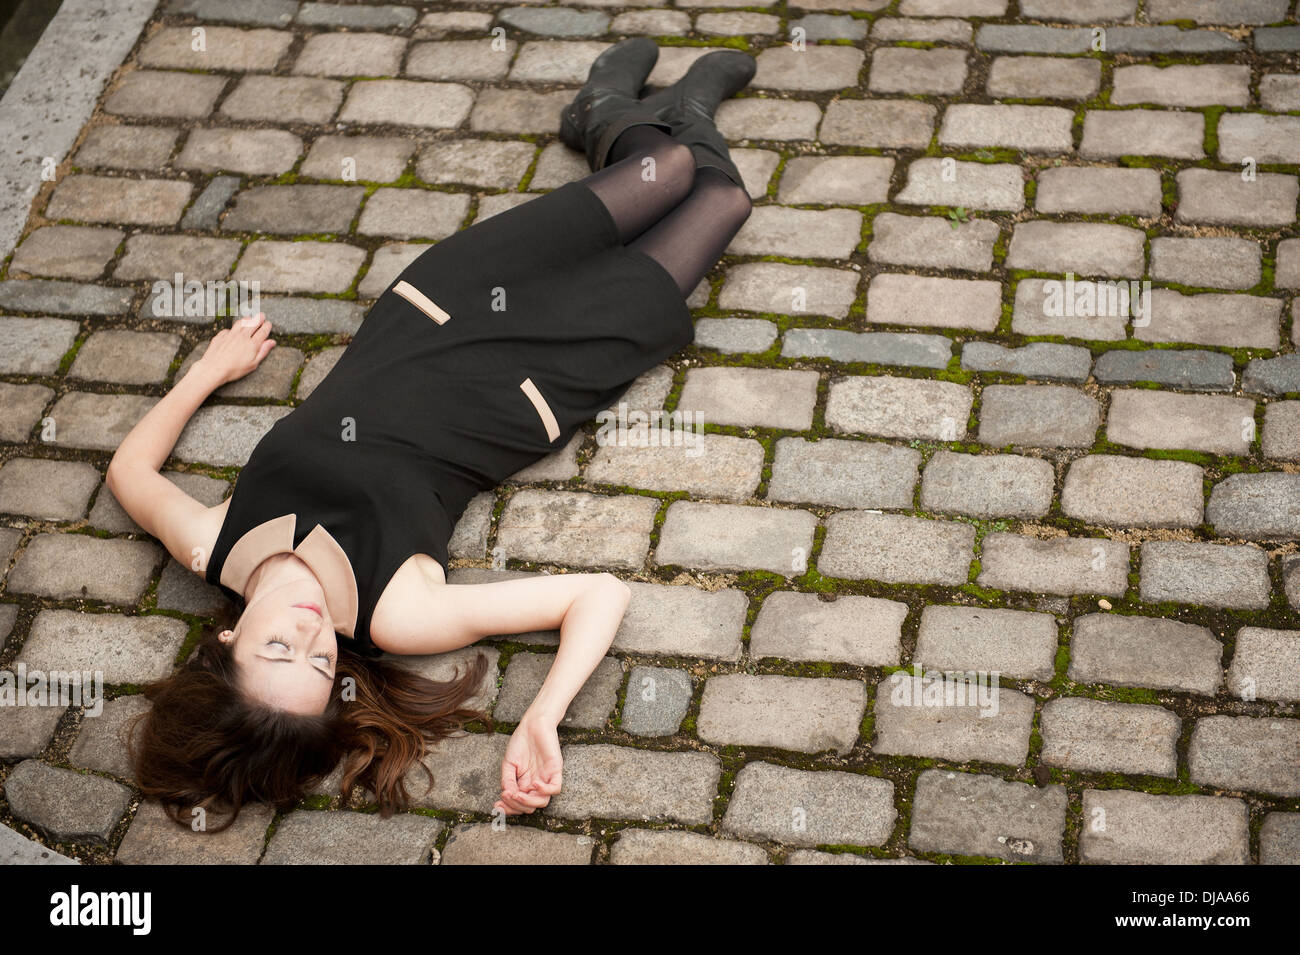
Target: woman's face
(285,647)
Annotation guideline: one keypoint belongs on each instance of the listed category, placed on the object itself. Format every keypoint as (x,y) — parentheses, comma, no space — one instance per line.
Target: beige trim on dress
(421,301)
(318,550)
(543,409)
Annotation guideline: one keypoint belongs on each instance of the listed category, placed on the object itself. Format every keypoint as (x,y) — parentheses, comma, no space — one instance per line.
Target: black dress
(487,353)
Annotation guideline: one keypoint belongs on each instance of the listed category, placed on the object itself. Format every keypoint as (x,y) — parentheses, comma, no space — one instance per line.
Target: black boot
(690,103)
(608,103)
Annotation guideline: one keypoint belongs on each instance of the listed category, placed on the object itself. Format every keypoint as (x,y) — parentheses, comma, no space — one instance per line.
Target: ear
(226,636)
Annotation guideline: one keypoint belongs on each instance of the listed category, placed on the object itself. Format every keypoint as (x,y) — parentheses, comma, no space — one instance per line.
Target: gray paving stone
(108,515)
(1266,665)
(407,103)
(1035,360)
(1211,84)
(1215,575)
(922,31)
(165,94)
(63,298)
(1280,92)
(1276,39)
(127,649)
(572,527)
(969,814)
(205,211)
(99,746)
(20,409)
(259,152)
(225,435)
(1218,11)
(163,256)
(1082,248)
(895,548)
(1188,369)
(755,118)
(127,147)
(1246,754)
(86,198)
(1058,565)
(518,111)
(866,631)
(1015,643)
(799,233)
(350,54)
(735,335)
(26,730)
(413,213)
(1109,134)
(1130,650)
(1281,430)
(1091,736)
(592,706)
(1151,419)
(1265,139)
(352,838)
(788,289)
(155,839)
(811,69)
(271,379)
(69,566)
(684,621)
(466,774)
(1272,376)
(899,407)
(1096,190)
(876,348)
(932,241)
(223,48)
(618,782)
(742,23)
(284,99)
(941,70)
(1022,38)
(16,849)
(843,473)
(269,12)
(1031,129)
(1215,262)
(487,163)
(735,537)
(1132,828)
(34,346)
(987,485)
(97,422)
(836,180)
(1279,839)
(43,488)
(970,185)
(1042,77)
(810,808)
(294,209)
(483,844)
(312,316)
(804,714)
(657,701)
(1212,318)
(668,847)
(878,124)
(65,251)
(986,723)
(1263,506)
(360,158)
(707,465)
(898,299)
(67,805)
(316,267)
(135,358)
(356,17)
(1222,198)
(1111,489)
(1050,416)
(556,22)
(1168,39)
(751,397)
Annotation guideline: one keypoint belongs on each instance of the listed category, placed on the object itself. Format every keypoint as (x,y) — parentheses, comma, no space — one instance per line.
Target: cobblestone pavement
(921,397)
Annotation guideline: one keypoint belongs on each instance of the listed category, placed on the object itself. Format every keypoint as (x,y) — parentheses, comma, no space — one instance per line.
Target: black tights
(681,217)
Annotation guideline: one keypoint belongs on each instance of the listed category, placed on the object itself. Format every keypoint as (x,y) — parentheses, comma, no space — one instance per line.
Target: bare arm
(157,505)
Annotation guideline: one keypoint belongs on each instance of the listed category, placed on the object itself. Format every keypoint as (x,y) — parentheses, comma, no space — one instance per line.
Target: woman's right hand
(236,351)
(531,770)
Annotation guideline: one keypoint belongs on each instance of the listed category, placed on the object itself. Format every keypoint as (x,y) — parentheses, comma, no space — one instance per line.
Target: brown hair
(204,744)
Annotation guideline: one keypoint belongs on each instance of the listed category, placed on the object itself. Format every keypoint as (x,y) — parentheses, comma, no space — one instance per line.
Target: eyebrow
(290,660)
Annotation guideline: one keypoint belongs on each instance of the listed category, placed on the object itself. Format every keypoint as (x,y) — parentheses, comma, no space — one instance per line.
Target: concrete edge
(54,95)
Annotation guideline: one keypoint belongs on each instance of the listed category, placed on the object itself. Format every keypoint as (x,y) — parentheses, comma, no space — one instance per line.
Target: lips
(312,607)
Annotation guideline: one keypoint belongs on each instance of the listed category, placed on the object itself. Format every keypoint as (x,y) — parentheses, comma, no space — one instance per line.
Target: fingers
(265,349)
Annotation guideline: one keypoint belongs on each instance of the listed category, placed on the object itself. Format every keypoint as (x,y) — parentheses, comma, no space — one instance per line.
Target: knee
(676,161)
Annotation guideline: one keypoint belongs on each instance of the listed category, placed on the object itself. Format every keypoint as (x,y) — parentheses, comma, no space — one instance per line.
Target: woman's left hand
(531,769)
